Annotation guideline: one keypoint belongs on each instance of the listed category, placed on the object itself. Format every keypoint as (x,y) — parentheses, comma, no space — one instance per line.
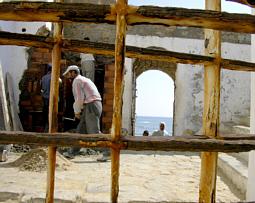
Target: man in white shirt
(87,104)
(161,131)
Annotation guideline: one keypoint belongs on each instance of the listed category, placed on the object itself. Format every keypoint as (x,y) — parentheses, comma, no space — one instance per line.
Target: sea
(150,123)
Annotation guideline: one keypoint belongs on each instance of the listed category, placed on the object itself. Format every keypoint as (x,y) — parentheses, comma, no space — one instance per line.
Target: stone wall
(106,33)
(188,109)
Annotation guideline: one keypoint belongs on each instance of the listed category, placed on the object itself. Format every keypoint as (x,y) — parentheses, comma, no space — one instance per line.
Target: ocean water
(152,123)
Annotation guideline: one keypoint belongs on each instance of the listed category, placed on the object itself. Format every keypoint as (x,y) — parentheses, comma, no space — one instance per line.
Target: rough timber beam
(87,13)
(119,56)
(250,3)
(53,107)
(211,112)
(138,143)
(7,38)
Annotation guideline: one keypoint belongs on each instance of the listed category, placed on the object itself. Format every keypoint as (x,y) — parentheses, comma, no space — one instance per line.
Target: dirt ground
(144,177)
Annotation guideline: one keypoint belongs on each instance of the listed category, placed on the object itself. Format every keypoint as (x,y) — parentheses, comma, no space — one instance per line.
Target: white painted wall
(13,58)
(127,96)
(235,88)
(188,99)
(250,195)
(235,93)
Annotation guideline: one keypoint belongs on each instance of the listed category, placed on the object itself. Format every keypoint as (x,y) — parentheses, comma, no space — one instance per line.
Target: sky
(155,89)
(155,94)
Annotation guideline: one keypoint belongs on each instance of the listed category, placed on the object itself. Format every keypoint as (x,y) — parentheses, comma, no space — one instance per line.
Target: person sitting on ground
(161,131)
(146,133)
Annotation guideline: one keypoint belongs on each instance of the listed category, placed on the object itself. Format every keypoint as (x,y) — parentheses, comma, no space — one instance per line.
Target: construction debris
(36,160)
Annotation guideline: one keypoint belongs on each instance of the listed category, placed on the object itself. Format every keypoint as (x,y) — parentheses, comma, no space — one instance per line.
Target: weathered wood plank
(7,38)
(209,19)
(138,143)
(115,173)
(55,139)
(51,174)
(237,137)
(55,12)
(207,187)
(4,104)
(182,143)
(16,123)
(120,49)
(29,40)
(53,108)
(120,53)
(169,16)
(250,3)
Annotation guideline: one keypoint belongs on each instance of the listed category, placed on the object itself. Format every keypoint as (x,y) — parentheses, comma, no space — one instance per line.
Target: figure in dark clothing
(45,84)
(146,133)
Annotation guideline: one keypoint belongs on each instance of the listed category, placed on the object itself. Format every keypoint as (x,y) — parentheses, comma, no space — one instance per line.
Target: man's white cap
(72,67)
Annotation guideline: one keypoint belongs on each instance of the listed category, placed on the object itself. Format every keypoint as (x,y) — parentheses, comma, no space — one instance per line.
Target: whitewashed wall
(250,195)
(13,58)
(127,96)
(235,88)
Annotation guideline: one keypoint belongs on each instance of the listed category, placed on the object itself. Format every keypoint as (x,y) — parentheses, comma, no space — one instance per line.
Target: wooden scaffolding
(212,19)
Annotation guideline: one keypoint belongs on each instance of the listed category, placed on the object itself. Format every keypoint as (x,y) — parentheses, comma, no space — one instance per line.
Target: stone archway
(140,66)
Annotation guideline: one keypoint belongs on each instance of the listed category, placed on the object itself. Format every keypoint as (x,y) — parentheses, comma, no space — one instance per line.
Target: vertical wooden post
(211,109)
(53,108)
(121,6)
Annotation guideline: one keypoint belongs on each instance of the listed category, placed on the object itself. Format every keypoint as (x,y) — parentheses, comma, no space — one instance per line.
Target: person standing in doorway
(161,131)
(45,90)
(87,105)
(146,133)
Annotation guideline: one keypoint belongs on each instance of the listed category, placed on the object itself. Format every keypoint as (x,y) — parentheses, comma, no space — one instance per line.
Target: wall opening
(154,101)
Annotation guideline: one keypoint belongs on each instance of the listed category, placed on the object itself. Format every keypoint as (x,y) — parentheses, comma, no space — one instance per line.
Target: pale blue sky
(155,94)
(155,89)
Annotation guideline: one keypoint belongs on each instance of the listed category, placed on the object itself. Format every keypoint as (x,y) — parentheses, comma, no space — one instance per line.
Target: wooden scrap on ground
(4,113)
(16,124)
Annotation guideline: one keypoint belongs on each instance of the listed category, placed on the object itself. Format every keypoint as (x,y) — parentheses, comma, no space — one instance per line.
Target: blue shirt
(46,85)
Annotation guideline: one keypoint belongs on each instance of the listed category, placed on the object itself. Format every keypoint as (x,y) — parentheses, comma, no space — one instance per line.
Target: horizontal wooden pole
(179,143)
(55,12)
(28,40)
(7,38)
(243,23)
(138,143)
(237,137)
(249,3)
(84,12)
(55,139)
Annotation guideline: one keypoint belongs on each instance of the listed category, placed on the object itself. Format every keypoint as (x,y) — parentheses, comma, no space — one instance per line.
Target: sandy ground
(144,177)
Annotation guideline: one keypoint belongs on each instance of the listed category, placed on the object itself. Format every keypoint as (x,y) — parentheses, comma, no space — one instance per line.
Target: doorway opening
(154,102)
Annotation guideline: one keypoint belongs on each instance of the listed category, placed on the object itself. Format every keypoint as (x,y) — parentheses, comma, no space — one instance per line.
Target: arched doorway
(154,101)
(153,96)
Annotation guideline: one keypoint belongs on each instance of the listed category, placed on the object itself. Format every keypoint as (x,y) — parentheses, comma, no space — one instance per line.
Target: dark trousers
(46,114)
(89,123)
